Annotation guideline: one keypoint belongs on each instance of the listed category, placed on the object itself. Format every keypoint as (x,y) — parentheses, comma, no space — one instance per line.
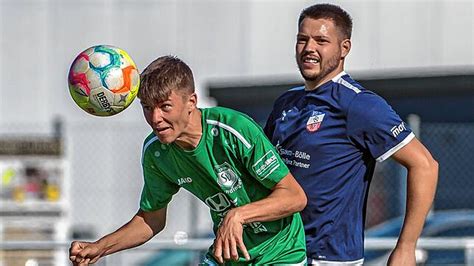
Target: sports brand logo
(396,130)
(284,114)
(184,180)
(314,121)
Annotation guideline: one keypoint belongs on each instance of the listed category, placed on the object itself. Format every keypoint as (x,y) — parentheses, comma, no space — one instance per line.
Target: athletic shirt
(330,138)
(234,164)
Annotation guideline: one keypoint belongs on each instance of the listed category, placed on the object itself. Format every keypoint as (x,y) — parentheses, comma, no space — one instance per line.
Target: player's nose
(157,116)
(310,46)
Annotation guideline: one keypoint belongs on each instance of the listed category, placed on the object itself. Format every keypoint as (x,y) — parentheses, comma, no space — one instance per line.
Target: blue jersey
(330,138)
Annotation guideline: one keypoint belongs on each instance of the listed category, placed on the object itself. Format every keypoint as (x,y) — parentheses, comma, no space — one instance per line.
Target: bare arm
(421,187)
(141,228)
(286,198)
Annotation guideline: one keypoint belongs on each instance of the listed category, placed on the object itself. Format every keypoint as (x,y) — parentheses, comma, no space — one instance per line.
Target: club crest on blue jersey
(314,121)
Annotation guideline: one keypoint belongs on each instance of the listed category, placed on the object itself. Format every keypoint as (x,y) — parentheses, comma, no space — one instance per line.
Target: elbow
(301,202)
(435,166)
(432,166)
(435,169)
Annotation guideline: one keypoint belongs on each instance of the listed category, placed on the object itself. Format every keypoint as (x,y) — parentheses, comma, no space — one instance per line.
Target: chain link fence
(452,145)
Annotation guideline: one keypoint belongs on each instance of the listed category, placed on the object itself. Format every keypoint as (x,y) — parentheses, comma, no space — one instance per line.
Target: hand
(84,253)
(229,238)
(402,256)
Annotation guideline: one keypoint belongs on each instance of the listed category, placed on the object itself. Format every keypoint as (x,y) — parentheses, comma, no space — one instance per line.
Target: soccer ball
(103,80)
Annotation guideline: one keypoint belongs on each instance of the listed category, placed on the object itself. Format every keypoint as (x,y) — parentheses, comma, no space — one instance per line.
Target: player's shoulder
(230,120)
(346,86)
(290,94)
(352,94)
(149,141)
(226,115)
(366,103)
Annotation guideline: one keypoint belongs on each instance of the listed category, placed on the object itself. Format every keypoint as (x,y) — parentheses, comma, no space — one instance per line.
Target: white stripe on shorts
(334,263)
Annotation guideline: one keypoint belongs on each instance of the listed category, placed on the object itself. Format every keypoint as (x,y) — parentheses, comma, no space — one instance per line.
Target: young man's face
(169,119)
(319,49)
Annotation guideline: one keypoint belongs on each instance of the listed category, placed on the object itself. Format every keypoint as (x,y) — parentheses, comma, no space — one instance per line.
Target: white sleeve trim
(231,130)
(400,145)
(148,143)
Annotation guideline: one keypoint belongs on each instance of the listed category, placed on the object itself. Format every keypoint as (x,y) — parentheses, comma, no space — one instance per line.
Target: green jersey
(234,164)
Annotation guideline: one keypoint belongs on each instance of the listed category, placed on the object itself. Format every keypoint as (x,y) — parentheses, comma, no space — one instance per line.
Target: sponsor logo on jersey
(314,121)
(218,202)
(257,227)
(396,130)
(266,165)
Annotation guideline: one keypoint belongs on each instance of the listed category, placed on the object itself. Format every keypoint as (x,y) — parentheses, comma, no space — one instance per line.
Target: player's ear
(345,48)
(192,101)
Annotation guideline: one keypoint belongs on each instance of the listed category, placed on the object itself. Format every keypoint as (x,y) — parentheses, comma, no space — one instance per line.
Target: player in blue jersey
(330,132)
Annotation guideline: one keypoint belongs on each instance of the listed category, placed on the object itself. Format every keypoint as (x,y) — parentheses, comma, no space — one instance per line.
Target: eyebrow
(313,37)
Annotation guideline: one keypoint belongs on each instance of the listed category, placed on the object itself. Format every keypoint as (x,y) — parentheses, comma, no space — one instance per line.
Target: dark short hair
(162,76)
(341,18)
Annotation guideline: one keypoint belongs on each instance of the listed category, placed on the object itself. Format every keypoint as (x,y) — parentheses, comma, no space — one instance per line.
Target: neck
(190,138)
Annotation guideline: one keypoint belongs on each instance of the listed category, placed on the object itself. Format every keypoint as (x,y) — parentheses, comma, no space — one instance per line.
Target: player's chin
(310,75)
(165,138)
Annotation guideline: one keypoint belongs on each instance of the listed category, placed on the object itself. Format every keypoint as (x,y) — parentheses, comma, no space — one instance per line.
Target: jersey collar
(338,76)
(334,79)
(327,84)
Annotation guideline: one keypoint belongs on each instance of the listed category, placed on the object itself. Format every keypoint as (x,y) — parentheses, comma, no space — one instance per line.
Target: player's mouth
(309,62)
(162,130)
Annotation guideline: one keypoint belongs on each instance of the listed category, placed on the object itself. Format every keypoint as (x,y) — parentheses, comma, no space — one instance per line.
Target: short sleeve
(262,160)
(157,189)
(376,127)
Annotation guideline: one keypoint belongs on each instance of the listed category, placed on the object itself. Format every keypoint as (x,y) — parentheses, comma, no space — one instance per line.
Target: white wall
(219,39)
(40,38)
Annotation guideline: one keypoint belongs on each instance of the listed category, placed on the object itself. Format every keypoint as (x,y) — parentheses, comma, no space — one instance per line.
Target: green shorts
(288,247)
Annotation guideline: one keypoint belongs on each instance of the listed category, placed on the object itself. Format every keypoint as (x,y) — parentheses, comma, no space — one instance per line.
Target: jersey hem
(400,145)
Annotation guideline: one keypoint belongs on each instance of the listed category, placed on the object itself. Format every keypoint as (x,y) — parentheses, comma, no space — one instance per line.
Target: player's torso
(213,172)
(311,137)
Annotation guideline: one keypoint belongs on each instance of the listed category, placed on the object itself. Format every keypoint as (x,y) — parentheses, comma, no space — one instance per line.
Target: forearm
(421,188)
(282,202)
(136,232)
(268,209)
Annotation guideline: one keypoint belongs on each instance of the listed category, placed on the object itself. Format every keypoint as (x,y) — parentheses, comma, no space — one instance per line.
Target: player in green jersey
(223,158)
